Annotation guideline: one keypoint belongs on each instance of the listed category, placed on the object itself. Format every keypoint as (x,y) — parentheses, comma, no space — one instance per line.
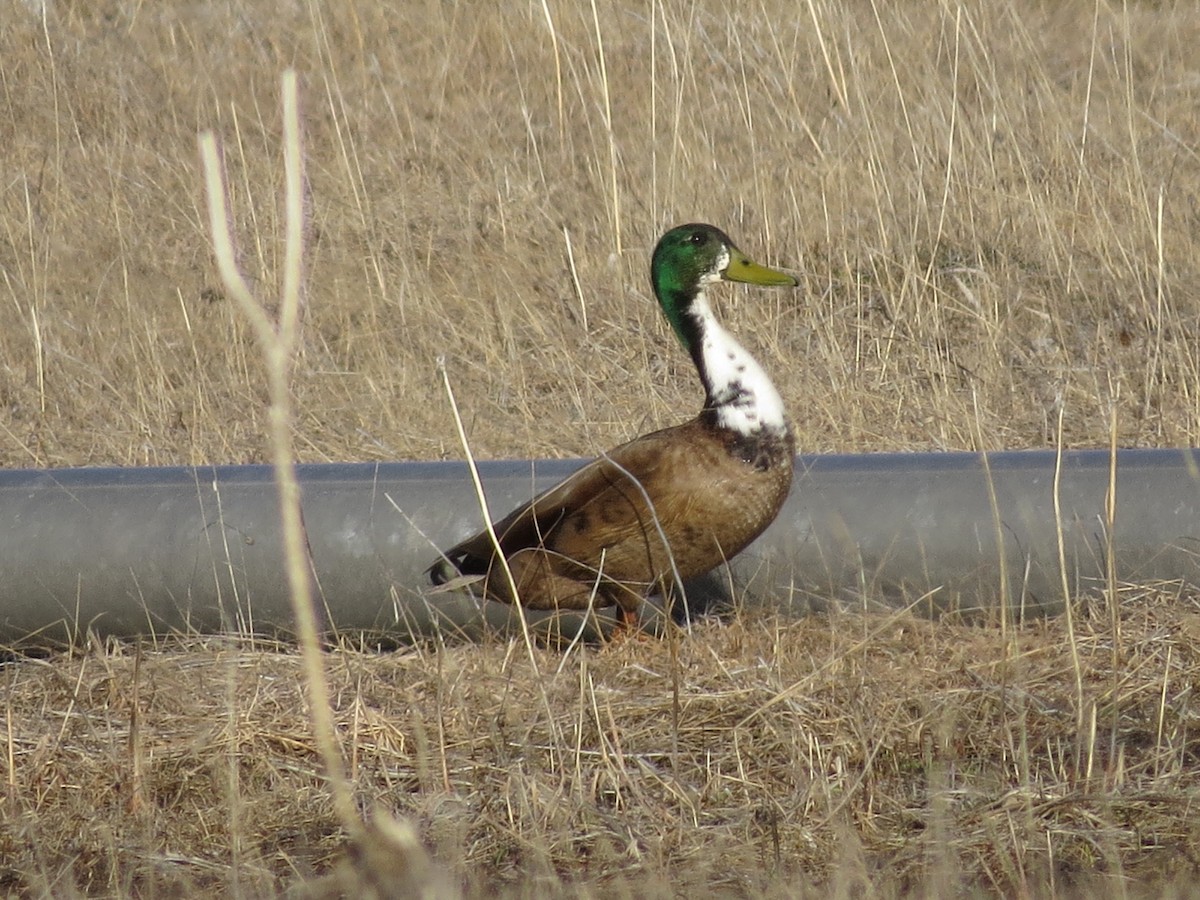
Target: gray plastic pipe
(149,551)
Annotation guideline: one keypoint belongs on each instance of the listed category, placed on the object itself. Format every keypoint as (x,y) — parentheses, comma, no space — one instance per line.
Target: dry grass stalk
(389,860)
(277,340)
(807,752)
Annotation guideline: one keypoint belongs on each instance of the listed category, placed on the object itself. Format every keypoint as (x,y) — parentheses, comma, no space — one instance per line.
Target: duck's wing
(603,501)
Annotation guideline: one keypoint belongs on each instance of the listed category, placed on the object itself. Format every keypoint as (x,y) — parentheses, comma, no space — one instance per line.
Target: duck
(669,505)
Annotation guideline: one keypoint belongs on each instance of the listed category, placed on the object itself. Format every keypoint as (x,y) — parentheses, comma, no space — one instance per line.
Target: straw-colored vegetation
(993,209)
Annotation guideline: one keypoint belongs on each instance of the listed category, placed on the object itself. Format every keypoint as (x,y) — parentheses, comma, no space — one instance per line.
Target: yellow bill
(742,268)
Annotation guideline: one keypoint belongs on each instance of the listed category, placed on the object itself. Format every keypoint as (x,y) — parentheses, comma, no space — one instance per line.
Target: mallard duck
(670,504)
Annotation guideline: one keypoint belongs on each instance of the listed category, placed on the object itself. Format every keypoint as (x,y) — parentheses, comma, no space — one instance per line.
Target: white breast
(744,397)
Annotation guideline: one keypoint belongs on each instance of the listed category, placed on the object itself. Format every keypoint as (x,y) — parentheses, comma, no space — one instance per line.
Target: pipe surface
(152,550)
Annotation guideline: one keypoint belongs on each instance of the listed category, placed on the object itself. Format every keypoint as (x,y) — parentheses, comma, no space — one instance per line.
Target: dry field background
(993,209)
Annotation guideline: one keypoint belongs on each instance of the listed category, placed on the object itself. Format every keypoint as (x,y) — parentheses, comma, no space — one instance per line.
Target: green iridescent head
(690,256)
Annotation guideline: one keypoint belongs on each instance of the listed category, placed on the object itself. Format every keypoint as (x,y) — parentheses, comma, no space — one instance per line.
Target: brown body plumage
(712,494)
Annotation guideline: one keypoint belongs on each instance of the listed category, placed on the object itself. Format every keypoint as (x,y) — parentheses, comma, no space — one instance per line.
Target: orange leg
(628,627)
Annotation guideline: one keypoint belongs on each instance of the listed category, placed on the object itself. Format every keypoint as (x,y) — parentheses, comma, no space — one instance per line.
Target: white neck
(739,390)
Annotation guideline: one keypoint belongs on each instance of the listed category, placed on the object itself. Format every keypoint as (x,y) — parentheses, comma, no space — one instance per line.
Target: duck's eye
(699,238)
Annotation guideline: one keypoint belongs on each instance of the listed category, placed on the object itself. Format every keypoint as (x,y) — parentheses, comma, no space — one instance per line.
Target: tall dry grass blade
(836,78)
(1112,587)
(1068,599)
(997,523)
(558,81)
(1161,713)
(278,348)
(481,499)
(614,188)
(575,280)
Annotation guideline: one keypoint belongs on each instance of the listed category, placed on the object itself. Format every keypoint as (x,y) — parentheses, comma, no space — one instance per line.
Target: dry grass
(974,202)
(994,209)
(849,755)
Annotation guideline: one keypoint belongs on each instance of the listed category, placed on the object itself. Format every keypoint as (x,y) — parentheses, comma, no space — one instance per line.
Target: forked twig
(278,344)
